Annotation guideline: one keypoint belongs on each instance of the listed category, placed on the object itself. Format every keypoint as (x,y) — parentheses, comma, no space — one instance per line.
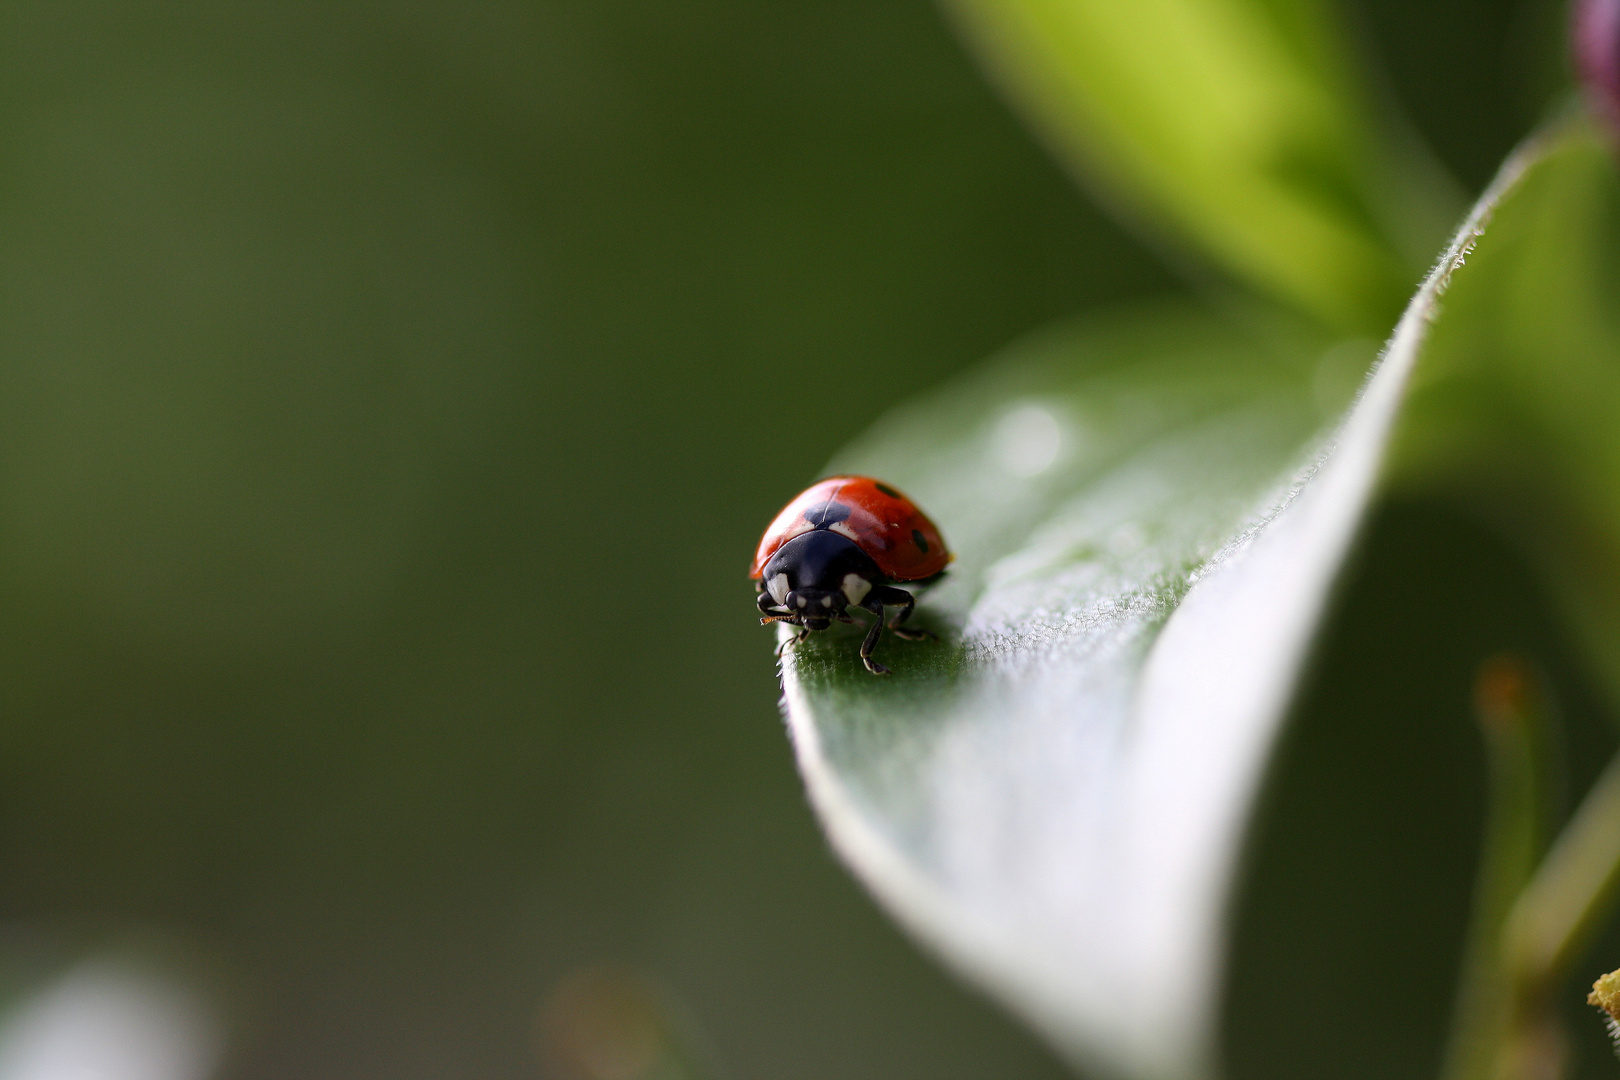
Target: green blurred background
(390,399)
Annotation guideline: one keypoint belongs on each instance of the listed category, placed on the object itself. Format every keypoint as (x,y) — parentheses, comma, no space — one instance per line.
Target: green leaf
(1235,125)
(1149,514)
(1515,409)
(1514,413)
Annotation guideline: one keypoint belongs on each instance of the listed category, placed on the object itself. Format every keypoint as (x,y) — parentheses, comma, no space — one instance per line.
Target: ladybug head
(817,574)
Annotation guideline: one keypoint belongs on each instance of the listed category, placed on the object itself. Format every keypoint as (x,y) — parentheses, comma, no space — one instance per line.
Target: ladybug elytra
(844,541)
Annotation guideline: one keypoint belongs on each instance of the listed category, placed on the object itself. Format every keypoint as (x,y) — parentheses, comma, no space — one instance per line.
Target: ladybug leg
(767,606)
(892,597)
(804,632)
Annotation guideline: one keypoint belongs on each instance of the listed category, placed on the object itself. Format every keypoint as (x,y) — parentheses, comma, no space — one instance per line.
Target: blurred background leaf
(1245,127)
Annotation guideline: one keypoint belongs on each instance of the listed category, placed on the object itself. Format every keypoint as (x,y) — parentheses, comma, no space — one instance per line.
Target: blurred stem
(1530,921)
(1514,723)
(1570,894)
(1575,885)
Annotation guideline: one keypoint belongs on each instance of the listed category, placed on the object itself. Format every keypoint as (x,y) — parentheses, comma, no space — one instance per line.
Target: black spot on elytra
(920,540)
(828,513)
(887,490)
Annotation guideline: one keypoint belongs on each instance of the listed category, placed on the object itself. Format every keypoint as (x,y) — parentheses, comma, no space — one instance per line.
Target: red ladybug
(846,540)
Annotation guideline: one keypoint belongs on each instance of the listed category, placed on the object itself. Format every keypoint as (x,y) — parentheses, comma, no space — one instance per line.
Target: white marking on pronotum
(778,588)
(856,588)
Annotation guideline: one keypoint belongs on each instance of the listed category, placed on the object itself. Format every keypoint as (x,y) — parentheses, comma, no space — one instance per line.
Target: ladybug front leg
(888,596)
(804,632)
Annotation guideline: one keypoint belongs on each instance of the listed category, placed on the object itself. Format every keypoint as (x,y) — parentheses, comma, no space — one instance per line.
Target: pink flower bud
(1596,44)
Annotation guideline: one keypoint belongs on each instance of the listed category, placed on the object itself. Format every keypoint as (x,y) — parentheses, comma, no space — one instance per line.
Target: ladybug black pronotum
(846,540)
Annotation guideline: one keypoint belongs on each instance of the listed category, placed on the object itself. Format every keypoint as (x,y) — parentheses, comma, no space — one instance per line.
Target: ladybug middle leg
(888,596)
(870,642)
(880,597)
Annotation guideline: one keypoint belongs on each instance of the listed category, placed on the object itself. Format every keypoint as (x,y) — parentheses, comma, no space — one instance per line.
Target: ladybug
(846,540)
